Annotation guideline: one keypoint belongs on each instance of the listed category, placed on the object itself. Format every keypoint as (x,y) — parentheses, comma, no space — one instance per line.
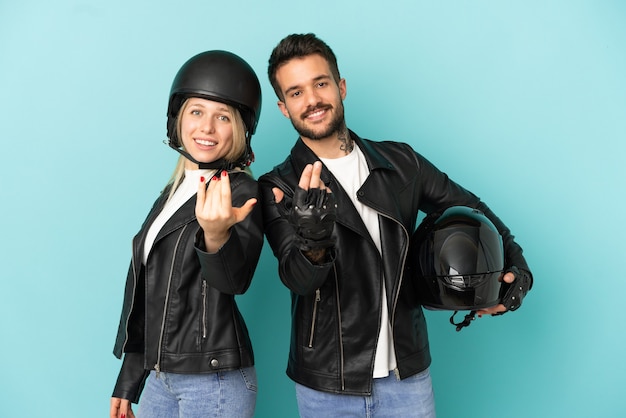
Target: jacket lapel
(181,217)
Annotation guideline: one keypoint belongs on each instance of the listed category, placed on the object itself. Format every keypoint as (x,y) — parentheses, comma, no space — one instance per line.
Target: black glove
(313,215)
(512,294)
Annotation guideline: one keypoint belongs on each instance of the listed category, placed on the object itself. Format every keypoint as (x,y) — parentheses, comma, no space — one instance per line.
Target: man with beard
(338,214)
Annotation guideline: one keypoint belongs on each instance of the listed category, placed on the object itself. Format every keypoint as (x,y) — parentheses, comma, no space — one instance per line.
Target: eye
(296,93)
(195,112)
(223,118)
(322,84)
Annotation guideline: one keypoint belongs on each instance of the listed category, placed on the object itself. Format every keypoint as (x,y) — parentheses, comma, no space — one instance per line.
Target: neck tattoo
(347,144)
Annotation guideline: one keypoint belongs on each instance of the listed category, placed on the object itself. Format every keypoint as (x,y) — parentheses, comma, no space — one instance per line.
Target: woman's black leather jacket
(179,313)
(336,306)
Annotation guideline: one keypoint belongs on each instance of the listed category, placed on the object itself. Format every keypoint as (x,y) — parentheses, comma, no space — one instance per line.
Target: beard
(336,124)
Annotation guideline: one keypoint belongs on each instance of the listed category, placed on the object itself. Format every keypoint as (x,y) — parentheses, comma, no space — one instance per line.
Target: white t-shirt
(187,188)
(351,172)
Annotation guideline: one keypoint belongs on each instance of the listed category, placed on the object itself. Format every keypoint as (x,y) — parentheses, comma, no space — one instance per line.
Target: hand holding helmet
(459,265)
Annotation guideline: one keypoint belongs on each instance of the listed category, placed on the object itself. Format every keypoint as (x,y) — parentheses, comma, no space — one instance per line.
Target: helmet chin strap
(467,321)
(220,164)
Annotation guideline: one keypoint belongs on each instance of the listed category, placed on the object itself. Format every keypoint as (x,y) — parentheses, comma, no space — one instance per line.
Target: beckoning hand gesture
(215,212)
(309,179)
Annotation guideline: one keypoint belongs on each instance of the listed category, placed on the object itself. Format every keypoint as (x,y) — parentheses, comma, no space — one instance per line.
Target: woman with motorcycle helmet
(185,346)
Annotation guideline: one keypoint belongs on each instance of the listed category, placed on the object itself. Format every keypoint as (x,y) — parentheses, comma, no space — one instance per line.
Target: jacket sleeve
(295,270)
(439,191)
(231,268)
(132,377)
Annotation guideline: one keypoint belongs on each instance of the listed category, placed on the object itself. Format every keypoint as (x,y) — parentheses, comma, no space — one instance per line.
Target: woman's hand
(215,212)
(121,408)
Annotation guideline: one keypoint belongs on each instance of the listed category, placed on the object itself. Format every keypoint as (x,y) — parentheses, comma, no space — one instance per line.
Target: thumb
(242,212)
(509,277)
(278,194)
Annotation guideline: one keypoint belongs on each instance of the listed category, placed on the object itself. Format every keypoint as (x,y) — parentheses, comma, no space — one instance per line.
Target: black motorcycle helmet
(219,76)
(457,259)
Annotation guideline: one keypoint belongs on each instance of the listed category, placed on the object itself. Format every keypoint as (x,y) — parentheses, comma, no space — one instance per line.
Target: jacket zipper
(203,309)
(157,366)
(314,316)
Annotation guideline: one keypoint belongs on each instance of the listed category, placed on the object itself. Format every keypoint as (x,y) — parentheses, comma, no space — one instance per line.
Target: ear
(283,109)
(343,88)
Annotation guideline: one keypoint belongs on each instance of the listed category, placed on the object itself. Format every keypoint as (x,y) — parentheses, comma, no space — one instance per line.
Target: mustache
(315,108)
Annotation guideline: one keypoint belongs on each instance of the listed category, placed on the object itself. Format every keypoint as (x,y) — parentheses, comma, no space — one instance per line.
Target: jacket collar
(302,155)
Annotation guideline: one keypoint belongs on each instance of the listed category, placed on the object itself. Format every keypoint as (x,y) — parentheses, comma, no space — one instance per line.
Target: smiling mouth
(205,142)
(316,113)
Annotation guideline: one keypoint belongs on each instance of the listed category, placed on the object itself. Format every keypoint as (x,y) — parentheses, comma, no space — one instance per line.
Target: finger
(509,277)
(125,410)
(278,194)
(115,407)
(242,212)
(492,310)
(225,193)
(305,178)
(213,196)
(200,198)
(316,182)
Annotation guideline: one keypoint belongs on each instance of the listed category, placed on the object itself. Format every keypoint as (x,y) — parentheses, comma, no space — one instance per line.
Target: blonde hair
(236,151)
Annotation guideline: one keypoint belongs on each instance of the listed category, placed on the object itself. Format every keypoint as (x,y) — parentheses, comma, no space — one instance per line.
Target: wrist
(213,242)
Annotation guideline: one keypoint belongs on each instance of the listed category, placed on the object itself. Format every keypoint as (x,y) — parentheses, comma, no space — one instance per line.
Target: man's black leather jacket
(179,313)
(336,306)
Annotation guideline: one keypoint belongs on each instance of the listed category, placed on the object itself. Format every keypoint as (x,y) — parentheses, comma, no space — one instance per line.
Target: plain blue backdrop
(522,102)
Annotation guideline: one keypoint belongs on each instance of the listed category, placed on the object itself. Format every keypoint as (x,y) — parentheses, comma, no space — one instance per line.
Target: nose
(312,97)
(208,125)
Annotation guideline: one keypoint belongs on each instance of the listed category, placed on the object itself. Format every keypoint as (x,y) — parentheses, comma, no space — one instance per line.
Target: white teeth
(204,142)
(315,114)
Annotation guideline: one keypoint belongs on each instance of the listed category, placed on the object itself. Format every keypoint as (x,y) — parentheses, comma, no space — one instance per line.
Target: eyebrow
(314,80)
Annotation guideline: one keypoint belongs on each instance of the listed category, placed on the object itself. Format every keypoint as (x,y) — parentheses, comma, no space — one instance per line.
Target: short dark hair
(299,46)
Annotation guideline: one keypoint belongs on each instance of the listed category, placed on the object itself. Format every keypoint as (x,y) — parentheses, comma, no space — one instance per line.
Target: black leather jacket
(336,306)
(179,313)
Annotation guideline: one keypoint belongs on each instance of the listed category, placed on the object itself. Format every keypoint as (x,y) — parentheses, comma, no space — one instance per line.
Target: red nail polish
(202,179)
(214,178)
(224,173)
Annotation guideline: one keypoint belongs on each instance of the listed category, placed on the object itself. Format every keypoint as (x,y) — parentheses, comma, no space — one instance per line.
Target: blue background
(522,102)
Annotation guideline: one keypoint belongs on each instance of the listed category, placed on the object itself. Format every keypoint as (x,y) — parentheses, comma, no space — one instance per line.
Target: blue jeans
(411,397)
(221,394)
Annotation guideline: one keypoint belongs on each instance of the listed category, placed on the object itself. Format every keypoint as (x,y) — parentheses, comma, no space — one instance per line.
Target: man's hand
(310,178)
(500,308)
(517,282)
(312,213)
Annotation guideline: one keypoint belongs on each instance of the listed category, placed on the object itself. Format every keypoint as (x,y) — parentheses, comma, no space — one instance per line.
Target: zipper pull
(318,295)
(158,370)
